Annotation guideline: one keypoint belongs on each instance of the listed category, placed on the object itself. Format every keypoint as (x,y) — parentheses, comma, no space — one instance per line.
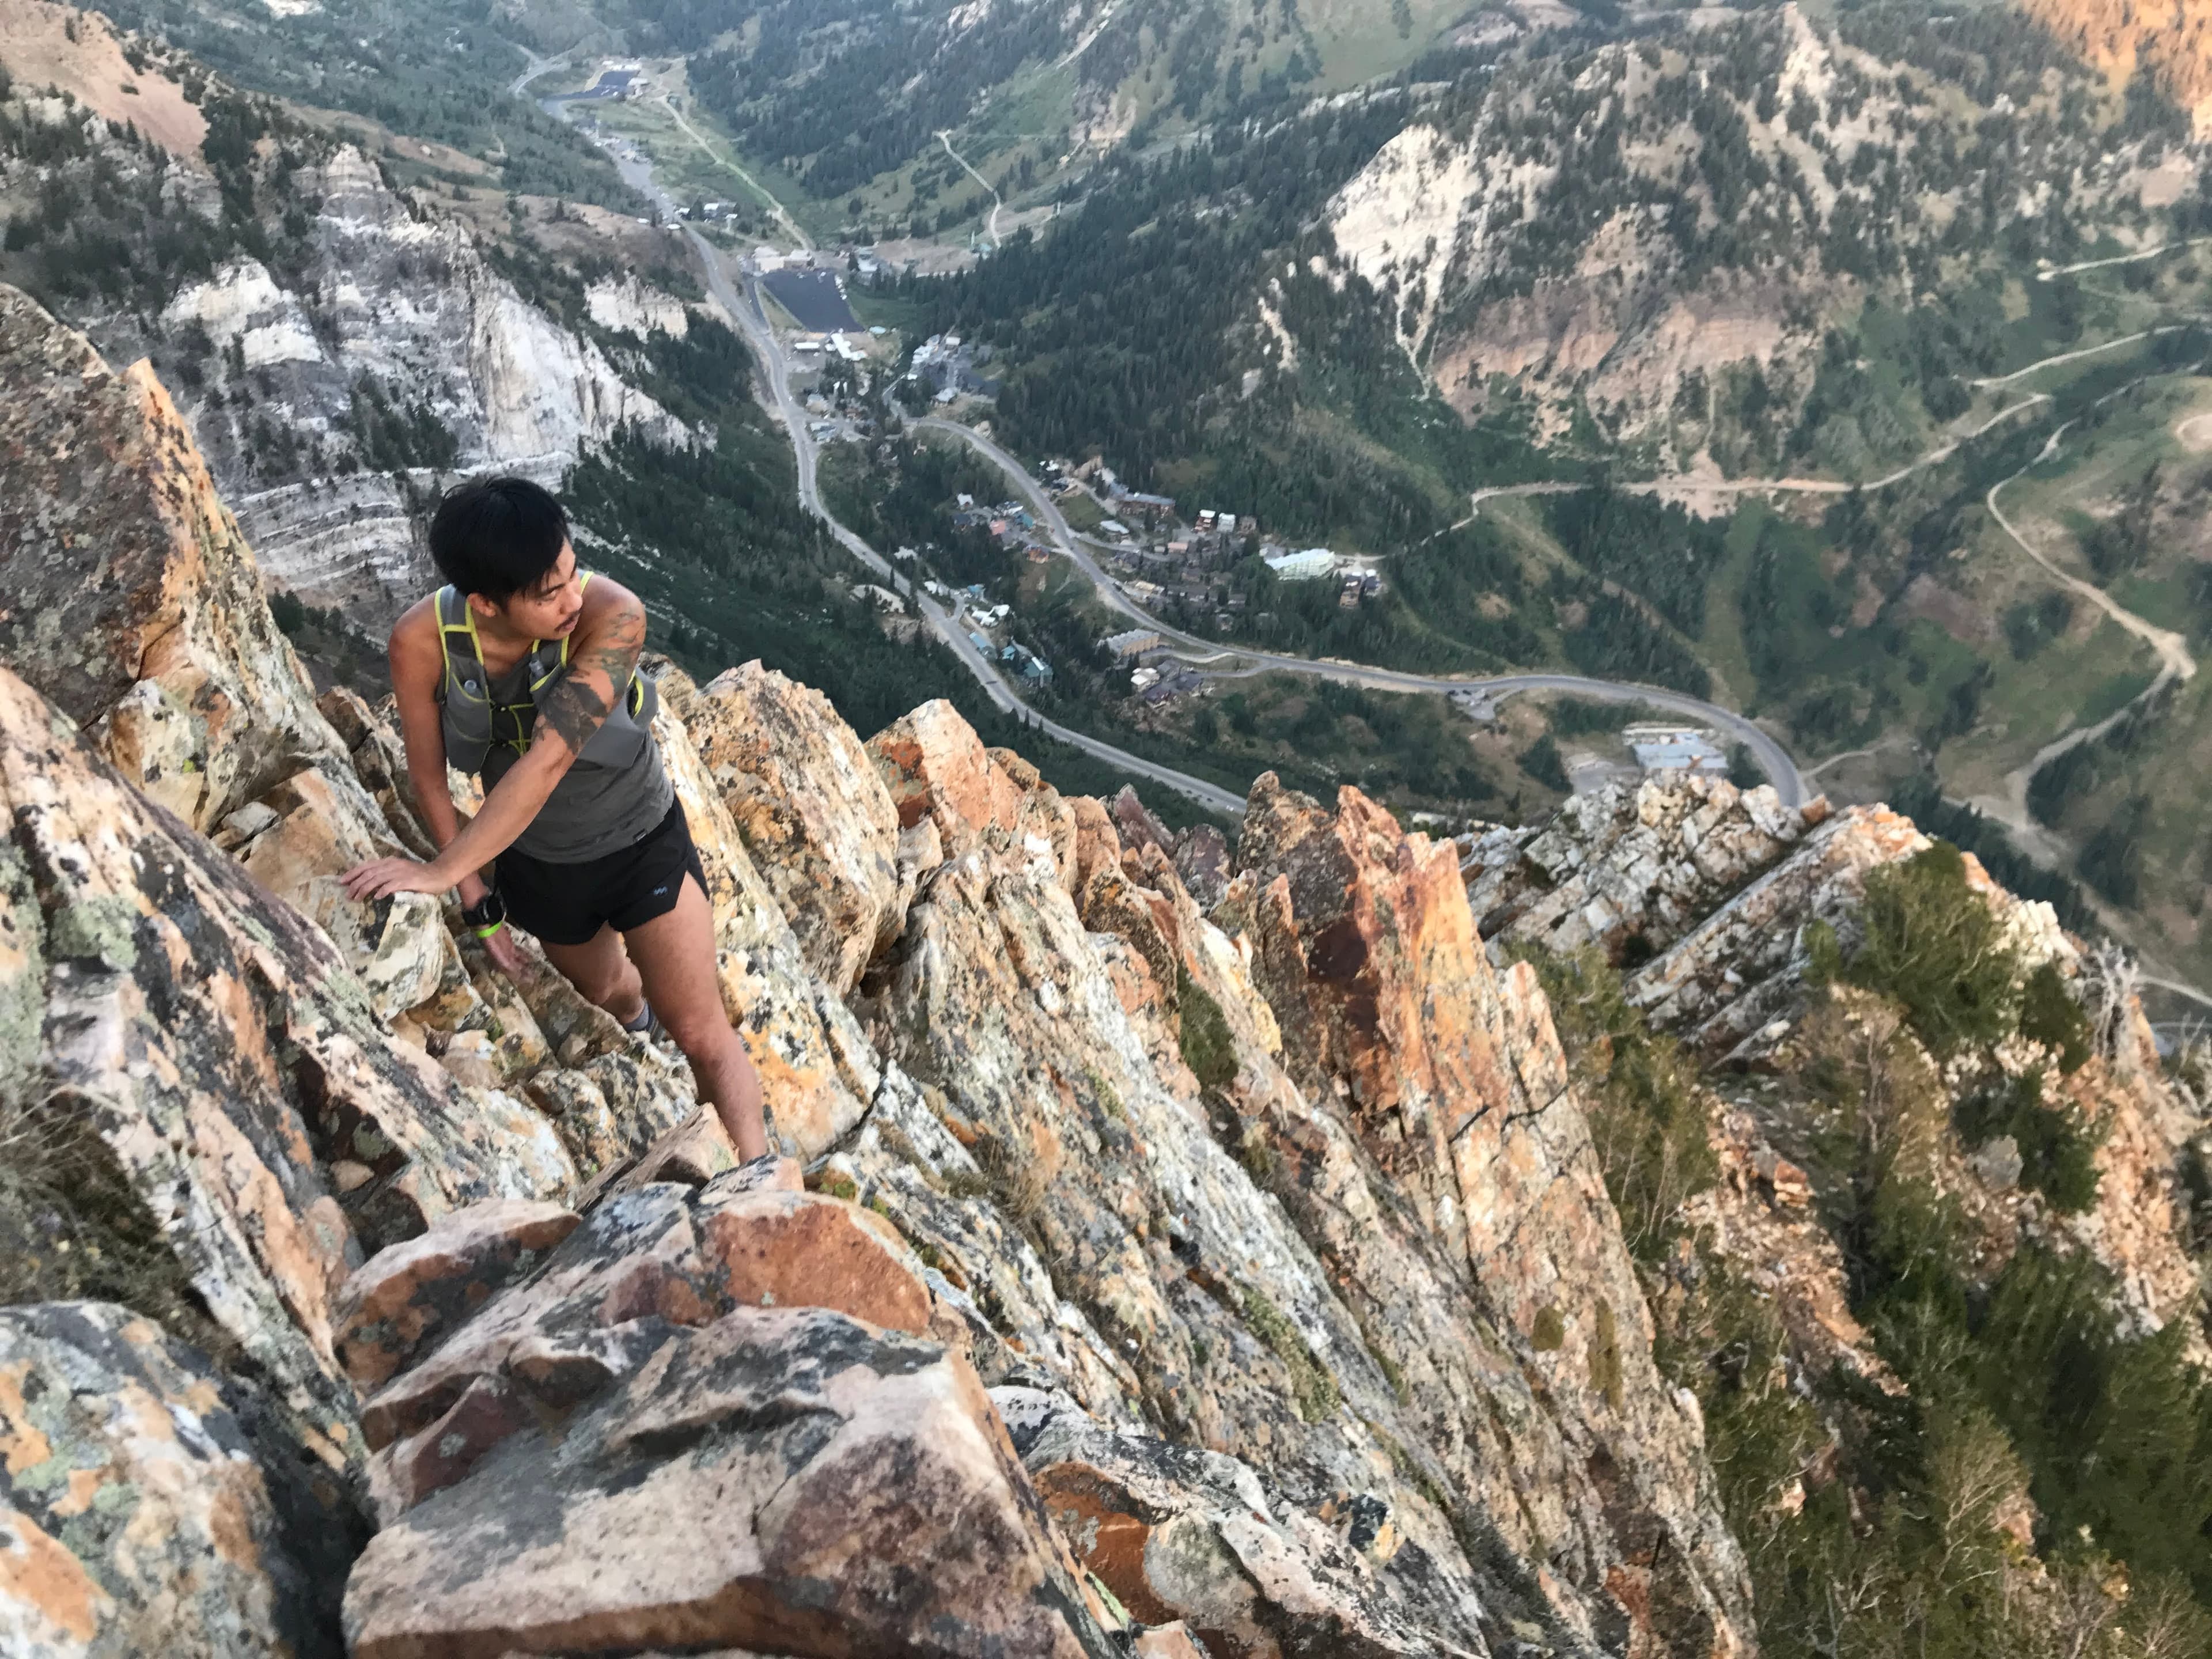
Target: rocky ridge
(1707,897)
(1202,1251)
(1197,1263)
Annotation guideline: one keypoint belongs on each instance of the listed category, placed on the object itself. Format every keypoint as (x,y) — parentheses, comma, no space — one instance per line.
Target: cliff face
(336,343)
(392,299)
(1129,1266)
(2171,42)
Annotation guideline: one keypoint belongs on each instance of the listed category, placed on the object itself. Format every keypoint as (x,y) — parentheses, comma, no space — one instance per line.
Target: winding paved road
(745,310)
(2119,259)
(2174,661)
(1772,758)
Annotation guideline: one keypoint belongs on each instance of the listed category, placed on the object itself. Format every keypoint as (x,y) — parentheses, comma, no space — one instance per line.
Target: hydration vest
(477,723)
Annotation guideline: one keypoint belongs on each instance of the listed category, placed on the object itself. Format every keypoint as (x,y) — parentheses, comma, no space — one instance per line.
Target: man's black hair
(497,536)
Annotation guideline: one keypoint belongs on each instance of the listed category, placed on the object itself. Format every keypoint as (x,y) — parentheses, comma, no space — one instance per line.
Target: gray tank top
(613,796)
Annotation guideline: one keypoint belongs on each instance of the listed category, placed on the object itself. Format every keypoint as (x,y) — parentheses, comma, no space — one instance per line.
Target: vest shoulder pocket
(616,743)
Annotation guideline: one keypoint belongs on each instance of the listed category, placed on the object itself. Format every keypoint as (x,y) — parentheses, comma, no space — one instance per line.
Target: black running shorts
(568,903)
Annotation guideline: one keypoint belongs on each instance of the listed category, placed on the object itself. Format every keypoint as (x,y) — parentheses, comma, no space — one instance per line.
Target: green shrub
(1311,1386)
(73,1227)
(1933,943)
(1648,1117)
(1824,963)
(2057,1147)
(2116,1429)
(1207,1048)
(2050,1015)
(1605,1355)
(1540,761)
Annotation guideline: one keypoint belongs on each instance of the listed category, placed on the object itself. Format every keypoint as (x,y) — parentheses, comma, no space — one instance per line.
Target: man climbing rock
(522,670)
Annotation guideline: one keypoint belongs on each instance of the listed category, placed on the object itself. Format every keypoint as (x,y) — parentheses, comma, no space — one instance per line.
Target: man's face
(549,609)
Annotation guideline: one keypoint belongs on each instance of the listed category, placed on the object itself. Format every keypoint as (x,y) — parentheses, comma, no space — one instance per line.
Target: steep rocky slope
(2171,42)
(1308,1286)
(1848,1144)
(1210,1255)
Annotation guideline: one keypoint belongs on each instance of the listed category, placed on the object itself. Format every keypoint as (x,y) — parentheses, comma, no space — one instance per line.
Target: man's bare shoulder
(415,642)
(606,597)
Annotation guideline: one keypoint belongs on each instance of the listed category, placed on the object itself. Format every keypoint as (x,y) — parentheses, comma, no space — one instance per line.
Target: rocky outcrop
(815,1065)
(132,601)
(1453,1079)
(1158,1159)
(840,1489)
(209,1038)
(626,305)
(810,811)
(138,1515)
(1629,867)
(1721,983)
(1189,1537)
(2169,40)
(747,1361)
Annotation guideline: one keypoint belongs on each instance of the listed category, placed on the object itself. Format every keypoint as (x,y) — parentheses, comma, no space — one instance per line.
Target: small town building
(1307,566)
(1135,642)
(1674,749)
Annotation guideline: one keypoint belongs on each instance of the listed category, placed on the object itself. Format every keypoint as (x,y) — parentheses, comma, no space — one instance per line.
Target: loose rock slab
(784,1478)
(408,1295)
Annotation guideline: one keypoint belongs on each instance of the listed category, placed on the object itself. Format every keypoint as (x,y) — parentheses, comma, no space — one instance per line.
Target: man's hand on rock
(499,947)
(382,878)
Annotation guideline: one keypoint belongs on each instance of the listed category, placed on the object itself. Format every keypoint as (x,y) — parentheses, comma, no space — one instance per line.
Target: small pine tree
(1933,943)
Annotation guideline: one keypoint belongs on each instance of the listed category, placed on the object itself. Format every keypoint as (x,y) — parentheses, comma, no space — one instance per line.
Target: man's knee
(607,987)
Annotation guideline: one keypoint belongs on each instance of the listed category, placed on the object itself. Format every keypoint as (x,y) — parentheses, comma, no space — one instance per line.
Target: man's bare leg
(674,955)
(602,973)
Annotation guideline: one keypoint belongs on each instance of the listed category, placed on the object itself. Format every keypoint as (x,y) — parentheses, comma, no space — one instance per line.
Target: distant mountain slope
(2169,39)
(846,93)
(1663,234)
(429,69)
(346,332)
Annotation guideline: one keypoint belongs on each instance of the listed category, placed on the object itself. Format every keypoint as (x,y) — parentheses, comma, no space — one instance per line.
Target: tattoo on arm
(575,707)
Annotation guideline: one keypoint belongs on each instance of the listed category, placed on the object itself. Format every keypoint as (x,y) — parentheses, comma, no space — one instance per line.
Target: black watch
(488,913)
